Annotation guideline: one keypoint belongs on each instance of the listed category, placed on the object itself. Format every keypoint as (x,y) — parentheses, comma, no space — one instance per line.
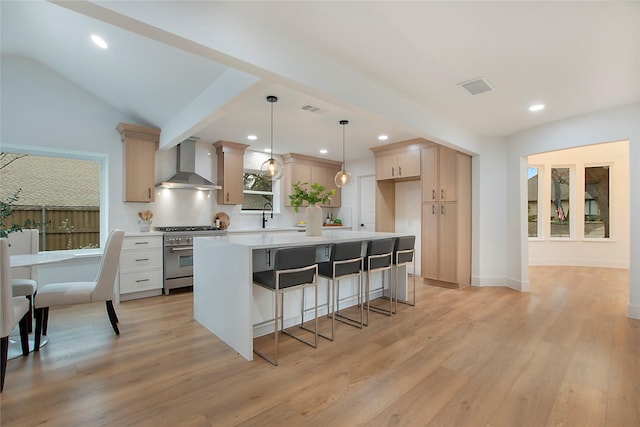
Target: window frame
(275,193)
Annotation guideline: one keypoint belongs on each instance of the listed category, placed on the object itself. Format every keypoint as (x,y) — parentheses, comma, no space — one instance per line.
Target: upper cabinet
(399,161)
(440,174)
(139,148)
(298,167)
(230,172)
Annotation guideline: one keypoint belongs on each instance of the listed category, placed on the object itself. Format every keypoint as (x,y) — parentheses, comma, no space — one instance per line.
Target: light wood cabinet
(141,272)
(139,148)
(440,174)
(402,164)
(298,167)
(230,172)
(446,217)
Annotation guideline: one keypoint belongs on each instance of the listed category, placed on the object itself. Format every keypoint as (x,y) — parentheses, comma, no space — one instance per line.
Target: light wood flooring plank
(563,354)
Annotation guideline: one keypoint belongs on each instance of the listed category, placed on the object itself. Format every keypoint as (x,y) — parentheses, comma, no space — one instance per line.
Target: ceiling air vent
(312,109)
(476,86)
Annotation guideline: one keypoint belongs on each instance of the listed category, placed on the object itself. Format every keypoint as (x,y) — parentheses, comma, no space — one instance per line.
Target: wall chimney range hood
(185,176)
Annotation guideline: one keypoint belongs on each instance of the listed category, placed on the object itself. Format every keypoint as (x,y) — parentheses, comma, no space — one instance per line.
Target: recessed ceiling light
(324,151)
(99,41)
(267,150)
(383,137)
(536,107)
(252,137)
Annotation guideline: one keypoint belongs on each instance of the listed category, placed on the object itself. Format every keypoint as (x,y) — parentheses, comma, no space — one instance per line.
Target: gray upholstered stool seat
(379,258)
(345,260)
(403,255)
(293,269)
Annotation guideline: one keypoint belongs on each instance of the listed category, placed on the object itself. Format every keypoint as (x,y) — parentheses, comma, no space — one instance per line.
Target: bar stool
(403,255)
(379,258)
(345,261)
(293,268)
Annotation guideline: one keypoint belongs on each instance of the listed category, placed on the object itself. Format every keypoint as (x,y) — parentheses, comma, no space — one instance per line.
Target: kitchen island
(225,300)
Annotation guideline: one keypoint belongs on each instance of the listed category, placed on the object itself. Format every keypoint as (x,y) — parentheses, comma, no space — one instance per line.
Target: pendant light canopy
(343,178)
(271,169)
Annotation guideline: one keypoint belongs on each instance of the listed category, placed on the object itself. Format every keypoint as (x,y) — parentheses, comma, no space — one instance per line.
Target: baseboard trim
(580,262)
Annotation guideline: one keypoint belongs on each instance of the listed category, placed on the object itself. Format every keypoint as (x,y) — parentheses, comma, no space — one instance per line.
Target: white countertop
(260,240)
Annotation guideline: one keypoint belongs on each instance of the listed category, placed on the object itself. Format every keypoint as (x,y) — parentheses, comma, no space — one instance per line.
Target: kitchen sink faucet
(264,218)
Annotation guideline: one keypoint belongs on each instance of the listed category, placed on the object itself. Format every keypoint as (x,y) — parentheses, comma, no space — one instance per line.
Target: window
(60,193)
(596,202)
(257,192)
(560,202)
(533,205)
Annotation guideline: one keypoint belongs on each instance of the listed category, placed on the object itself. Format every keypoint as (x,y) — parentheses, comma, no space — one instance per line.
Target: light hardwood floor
(564,354)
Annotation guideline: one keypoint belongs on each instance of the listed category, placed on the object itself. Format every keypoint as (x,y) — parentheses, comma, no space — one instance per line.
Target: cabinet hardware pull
(268,254)
(442,209)
(142,280)
(433,209)
(399,170)
(392,171)
(149,193)
(442,194)
(227,196)
(142,243)
(142,259)
(433,194)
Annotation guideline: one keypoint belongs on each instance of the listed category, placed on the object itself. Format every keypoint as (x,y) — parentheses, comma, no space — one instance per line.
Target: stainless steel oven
(178,254)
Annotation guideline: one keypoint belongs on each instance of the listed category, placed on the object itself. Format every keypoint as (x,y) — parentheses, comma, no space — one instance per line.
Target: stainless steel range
(178,253)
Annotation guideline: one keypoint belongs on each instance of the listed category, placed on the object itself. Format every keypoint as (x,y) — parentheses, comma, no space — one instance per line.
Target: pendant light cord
(344,162)
(271,152)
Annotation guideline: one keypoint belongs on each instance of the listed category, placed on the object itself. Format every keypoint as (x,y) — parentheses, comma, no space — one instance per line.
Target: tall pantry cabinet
(446,217)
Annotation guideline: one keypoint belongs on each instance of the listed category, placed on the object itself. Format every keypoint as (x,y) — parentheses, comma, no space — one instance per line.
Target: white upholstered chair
(56,294)
(24,280)
(13,311)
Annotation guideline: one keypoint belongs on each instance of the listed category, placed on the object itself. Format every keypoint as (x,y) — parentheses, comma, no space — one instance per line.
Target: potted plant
(313,196)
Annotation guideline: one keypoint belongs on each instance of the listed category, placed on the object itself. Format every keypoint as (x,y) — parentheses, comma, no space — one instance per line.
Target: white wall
(40,109)
(616,124)
(577,250)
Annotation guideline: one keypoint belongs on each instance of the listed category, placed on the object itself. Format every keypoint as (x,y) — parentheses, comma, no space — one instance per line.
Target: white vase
(314,220)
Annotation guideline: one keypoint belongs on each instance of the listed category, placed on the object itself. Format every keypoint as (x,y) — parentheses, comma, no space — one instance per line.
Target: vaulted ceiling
(205,68)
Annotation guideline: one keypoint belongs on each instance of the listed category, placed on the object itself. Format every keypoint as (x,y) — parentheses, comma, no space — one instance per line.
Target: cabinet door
(325,176)
(448,242)
(429,160)
(232,184)
(386,167)
(408,163)
(139,170)
(297,172)
(430,245)
(448,174)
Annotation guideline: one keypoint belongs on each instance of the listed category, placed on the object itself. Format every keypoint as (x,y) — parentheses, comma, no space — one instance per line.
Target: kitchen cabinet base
(443,284)
(143,294)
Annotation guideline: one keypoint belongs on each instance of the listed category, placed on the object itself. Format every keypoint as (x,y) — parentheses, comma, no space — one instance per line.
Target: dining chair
(293,268)
(24,280)
(14,312)
(70,293)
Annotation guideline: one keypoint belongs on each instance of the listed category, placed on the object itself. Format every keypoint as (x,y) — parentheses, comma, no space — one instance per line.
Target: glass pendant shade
(343,178)
(271,169)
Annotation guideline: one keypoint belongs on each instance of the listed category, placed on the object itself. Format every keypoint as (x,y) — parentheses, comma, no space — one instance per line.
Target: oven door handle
(182,248)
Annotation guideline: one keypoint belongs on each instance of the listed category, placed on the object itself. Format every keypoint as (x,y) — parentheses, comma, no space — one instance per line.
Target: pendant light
(343,178)
(271,169)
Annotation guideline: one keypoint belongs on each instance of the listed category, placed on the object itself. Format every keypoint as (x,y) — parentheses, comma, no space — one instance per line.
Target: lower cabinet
(141,272)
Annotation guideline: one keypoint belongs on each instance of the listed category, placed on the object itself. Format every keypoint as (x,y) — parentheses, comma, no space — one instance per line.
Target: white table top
(276,240)
(29,260)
